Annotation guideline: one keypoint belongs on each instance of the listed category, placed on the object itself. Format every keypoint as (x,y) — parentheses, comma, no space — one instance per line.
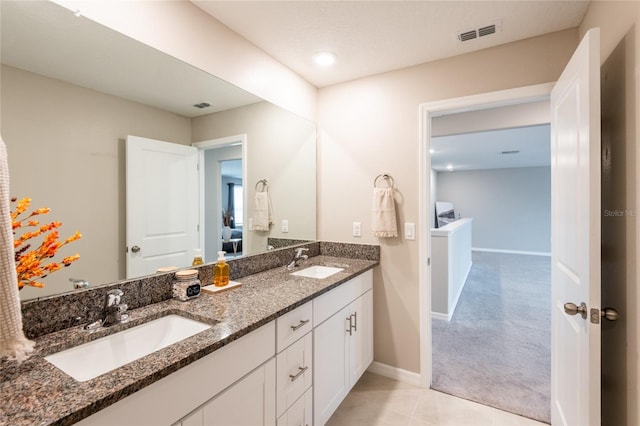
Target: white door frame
(429,110)
(215,144)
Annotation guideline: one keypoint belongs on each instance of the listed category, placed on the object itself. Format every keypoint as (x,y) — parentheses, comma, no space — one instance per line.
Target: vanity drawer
(331,302)
(294,372)
(300,413)
(293,325)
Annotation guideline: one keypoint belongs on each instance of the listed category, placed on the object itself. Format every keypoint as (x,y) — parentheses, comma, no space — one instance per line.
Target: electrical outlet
(410,231)
(356,229)
(285,226)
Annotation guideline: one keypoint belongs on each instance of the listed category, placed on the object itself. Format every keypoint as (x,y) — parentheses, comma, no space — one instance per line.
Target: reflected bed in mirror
(72,91)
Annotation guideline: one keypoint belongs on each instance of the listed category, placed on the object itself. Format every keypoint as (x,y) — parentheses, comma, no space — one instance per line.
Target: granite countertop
(37,393)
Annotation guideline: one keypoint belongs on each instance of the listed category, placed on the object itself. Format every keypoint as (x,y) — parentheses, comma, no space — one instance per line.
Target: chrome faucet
(113,311)
(297,256)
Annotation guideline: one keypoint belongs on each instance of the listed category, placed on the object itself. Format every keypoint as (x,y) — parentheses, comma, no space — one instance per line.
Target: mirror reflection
(74,91)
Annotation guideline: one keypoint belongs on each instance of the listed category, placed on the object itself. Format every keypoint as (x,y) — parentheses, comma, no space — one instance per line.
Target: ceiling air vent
(467,35)
(202,105)
(486,30)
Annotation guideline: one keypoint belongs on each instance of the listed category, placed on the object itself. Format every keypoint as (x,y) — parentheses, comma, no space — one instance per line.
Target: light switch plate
(356,229)
(285,226)
(410,231)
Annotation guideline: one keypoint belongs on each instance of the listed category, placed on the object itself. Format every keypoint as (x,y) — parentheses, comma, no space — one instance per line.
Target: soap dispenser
(221,271)
(197,257)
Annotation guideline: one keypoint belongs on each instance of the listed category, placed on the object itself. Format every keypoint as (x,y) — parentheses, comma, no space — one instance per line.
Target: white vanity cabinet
(343,342)
(243,371)
(295,370)
(294,364)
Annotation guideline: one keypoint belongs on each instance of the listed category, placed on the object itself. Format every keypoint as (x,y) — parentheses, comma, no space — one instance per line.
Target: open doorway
(491,282)
(430,340)
(222,198)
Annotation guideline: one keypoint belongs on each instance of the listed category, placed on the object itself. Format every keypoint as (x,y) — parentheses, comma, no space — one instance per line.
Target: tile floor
(377,400)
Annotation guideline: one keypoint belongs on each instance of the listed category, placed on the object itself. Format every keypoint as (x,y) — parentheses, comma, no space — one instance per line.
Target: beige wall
(281,149)
(620,20)
(182,30)
(370,126)
(66,152)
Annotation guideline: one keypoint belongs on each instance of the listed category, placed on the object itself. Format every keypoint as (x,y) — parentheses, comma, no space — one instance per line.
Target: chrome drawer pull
(300,373)
(350,327)
(355,321)
(302,322)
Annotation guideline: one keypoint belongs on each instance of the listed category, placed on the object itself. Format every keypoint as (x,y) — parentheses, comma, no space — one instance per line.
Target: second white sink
(100,356)
(317,271)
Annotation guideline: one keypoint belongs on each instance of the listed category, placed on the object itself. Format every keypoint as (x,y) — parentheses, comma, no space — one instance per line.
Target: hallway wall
(511,208)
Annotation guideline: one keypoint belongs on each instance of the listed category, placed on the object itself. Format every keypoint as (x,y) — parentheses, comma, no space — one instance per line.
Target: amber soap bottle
(221,271)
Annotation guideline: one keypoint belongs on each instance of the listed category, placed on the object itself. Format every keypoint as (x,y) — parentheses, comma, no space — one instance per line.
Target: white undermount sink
(89,360)
(317,271)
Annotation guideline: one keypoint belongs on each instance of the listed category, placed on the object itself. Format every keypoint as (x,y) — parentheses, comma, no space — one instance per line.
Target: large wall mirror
(73,91)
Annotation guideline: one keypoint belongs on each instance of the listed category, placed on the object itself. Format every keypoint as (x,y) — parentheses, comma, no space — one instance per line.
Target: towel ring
(264,184)
(387,177)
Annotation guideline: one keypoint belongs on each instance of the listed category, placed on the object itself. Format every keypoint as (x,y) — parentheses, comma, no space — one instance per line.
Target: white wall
(511,208)
(281,147)
(66,149)
(371,125)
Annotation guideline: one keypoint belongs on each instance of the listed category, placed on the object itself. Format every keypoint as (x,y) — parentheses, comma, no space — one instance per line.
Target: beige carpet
(497,348)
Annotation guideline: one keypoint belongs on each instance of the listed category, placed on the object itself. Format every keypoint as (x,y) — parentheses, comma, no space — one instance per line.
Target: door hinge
(428,261)
(198,227)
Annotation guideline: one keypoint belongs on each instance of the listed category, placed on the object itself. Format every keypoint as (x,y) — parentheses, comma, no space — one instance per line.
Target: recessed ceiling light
(324,59)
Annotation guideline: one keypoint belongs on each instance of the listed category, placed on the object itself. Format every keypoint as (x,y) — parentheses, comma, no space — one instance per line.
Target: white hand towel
(12,341)
(263,215)
(383,221)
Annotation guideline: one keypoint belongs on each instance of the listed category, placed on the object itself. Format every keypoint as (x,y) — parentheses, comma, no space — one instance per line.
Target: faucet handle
(113,297)
(301,250)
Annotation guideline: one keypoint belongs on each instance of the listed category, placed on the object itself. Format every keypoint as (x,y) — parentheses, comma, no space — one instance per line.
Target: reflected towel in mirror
(263,214)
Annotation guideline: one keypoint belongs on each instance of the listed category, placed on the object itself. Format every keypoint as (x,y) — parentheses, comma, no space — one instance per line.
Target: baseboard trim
(531,253)
(395,373)
(441,316)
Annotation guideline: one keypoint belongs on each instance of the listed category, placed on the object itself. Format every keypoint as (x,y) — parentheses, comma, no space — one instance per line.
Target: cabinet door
(249,402)
(361,342)
(330,361)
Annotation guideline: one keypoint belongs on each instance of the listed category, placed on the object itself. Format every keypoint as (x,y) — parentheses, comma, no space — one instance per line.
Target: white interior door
(575,237)
(162,205)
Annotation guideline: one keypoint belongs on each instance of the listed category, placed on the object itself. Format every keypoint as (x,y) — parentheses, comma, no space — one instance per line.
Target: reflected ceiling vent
(509,152)
(202,105)
(486,30)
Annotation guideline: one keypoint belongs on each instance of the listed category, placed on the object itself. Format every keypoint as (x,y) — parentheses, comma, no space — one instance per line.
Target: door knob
(609,314)
(135,249)
(572,309)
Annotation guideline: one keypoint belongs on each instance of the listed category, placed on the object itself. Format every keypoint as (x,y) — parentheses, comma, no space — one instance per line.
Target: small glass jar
(186,285)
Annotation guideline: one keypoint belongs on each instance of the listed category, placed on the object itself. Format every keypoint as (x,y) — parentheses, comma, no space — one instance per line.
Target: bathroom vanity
(282,349)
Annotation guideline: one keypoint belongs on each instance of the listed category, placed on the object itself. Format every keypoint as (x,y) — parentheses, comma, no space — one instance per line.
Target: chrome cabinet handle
(350,327)
(355,321)
(302,322)
(300,372)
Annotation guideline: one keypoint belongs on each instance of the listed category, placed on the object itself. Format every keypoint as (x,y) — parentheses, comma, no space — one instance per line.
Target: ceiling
(528,146)
(372,37)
